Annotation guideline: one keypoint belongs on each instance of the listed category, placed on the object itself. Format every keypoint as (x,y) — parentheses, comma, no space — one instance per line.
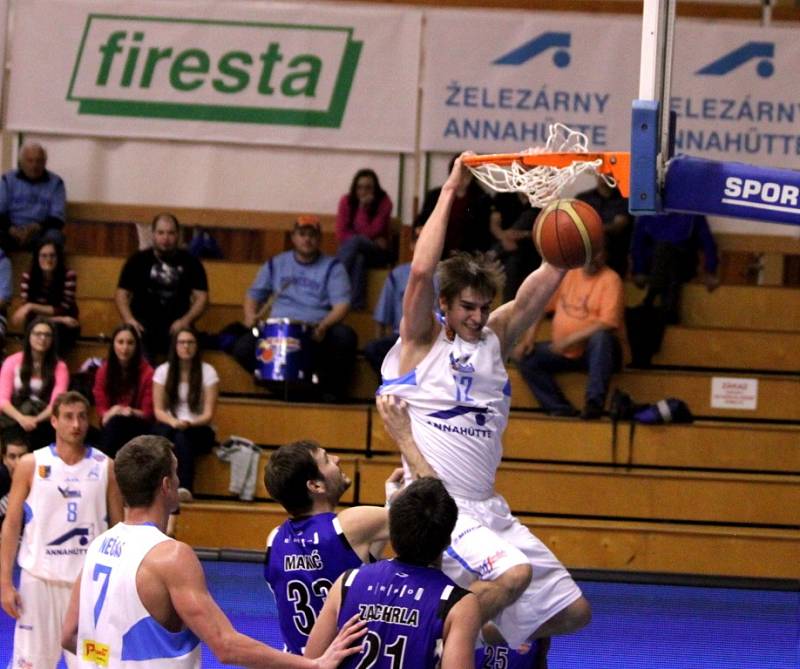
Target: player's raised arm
(513,318)
(418,325)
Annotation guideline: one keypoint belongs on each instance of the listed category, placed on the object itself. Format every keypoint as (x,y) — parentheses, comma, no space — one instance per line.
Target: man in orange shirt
(587,331)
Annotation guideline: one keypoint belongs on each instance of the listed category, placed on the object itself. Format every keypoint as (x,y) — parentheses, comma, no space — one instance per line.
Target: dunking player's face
(71,423)
(467,314)
(336,481)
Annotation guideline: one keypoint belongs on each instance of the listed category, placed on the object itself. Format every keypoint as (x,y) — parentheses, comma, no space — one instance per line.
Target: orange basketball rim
(617,164)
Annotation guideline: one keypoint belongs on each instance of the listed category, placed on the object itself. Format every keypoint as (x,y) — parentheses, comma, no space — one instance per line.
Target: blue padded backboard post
(644,196)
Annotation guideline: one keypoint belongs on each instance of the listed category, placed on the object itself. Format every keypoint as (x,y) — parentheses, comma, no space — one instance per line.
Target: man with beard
(311,549)
(163,289)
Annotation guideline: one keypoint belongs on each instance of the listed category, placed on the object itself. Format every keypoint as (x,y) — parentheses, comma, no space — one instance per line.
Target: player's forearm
(416,461)
(239,649)
(430,244)
(8,550)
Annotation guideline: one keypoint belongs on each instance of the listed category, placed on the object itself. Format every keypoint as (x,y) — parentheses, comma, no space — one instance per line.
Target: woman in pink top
(362,230)
(123,391)
(31,380)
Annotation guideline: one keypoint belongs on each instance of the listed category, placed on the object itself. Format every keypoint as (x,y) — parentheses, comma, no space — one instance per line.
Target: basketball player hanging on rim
(452,376)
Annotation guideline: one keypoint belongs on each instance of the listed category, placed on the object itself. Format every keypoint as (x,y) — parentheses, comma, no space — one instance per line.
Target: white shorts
(486,542)
(37,634)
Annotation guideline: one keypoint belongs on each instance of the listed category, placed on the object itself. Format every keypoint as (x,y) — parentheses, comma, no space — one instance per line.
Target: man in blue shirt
(305,285)
(32,202)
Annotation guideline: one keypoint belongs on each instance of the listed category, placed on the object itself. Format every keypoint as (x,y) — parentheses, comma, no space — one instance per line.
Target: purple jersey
(304,557)
(503,657)
(405,607)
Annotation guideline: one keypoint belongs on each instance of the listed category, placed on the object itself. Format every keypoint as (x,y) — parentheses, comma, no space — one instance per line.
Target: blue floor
(634,626)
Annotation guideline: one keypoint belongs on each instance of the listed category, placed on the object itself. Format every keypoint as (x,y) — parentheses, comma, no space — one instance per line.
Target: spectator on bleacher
(162,289)
(389,311)
(33,202)
(306,285)
(30,381)
(665,252)
(617,222)
(48,289)
(6,293)
(363,231)
(14,446)
(123,391)
(587,327)
(185,391)
(515,248)
(468,227)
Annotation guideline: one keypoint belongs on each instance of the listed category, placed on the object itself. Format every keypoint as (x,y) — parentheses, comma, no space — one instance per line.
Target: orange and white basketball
(568,233)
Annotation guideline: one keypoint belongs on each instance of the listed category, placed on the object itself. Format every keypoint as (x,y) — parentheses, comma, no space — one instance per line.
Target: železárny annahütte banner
(494,80)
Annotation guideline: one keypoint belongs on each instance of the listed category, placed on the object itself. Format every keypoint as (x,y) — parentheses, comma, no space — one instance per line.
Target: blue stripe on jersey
(507,388)
(27,513)
(148,640)
(409,379)
(451,552)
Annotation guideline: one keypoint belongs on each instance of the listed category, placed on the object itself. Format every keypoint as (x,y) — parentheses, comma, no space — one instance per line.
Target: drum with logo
(283,350)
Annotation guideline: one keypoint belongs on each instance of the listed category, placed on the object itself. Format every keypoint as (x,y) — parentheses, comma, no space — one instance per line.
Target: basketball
(568,233)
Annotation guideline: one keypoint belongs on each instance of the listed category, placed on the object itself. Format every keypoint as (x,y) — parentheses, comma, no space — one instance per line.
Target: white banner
(736,94)
(494,80)
(246,72)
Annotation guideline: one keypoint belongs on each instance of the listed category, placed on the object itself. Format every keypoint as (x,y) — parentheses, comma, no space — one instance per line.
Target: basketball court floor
(634,626)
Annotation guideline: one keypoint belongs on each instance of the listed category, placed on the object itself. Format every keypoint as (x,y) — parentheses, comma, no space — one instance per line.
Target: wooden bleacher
(717,497)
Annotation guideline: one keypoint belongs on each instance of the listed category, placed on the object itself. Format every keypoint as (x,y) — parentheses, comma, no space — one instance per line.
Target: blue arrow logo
(81,532)
(738,57)
(529,50)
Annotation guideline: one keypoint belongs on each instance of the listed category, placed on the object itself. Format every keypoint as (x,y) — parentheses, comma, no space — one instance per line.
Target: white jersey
(65,509)
(458,399)
(115,630)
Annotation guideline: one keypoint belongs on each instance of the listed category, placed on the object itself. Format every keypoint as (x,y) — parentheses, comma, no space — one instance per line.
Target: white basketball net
(542,183)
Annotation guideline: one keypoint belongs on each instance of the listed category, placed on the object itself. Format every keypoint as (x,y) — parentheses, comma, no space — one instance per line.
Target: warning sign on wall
(734,393)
